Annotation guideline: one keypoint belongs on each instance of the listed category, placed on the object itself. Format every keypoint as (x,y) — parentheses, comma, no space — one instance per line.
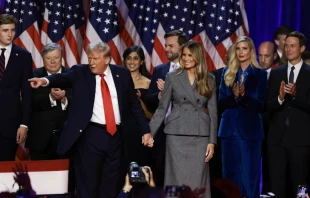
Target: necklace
(138,77)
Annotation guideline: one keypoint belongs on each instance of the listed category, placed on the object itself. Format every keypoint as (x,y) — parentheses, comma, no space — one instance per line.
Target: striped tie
(2,63)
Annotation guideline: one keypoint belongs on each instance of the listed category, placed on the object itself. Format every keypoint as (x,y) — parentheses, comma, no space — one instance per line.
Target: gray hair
(50,47)
(99,47)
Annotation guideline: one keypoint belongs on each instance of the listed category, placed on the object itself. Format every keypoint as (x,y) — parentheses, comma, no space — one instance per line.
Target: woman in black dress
(134,60)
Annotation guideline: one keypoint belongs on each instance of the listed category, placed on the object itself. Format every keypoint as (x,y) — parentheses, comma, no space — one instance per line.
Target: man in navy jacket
(97,161)
(15,91)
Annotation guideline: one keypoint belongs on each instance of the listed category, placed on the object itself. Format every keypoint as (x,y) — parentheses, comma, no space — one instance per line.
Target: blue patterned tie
(2,63)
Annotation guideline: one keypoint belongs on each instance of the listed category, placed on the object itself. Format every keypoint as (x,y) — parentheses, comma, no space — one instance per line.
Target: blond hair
(234,63)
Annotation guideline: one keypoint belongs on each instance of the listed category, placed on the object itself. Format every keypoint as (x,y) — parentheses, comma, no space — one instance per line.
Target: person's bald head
(267,54)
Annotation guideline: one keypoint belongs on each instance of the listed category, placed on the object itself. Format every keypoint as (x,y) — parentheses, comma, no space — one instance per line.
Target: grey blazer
(191,113)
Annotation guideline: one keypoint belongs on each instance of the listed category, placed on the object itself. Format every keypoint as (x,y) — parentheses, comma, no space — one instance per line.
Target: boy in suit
(15,91)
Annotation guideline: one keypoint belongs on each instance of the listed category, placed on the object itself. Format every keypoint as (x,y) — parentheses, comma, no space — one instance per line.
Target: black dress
(134,149)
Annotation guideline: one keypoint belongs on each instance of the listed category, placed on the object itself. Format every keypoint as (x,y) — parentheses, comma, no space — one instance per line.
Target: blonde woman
(191,126)
(241,98)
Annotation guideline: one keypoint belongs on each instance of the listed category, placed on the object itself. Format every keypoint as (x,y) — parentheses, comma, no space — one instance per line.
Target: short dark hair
(282,30)
(182,37)
(300,36)
(140,52)
(7,19)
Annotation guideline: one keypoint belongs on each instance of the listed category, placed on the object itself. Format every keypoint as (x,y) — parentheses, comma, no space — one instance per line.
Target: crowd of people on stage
(233,128)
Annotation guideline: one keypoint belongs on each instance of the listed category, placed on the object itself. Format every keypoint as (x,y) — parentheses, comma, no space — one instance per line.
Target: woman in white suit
(191,127)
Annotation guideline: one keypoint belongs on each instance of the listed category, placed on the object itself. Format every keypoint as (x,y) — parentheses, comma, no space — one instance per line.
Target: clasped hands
(147,140)
(289,88)
(58,94)
(238,89)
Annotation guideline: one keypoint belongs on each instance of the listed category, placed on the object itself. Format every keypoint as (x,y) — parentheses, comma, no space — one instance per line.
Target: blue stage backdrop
(264,16)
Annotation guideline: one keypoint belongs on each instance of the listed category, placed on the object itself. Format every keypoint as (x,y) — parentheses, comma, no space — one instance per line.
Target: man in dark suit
(49,108)
(267,55)
(15,91)
(103,94)
(173,42)
(288,138)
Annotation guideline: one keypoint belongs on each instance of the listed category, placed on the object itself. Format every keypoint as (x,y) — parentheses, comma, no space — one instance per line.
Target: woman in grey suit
(191,126)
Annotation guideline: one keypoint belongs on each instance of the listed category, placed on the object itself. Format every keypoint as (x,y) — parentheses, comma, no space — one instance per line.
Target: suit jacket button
(81,130)
(185,109)
(195,109)
(184,98)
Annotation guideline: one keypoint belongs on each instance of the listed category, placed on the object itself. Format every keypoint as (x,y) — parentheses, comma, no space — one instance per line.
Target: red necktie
(2,63)
(108,108)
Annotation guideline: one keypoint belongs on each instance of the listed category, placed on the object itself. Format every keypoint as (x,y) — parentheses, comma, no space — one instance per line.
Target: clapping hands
(238,89)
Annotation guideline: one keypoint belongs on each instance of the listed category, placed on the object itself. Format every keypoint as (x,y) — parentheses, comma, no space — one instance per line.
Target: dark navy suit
(160,72)
(46,121)
(241,130)
(15,100)
(289,143)
(98,153)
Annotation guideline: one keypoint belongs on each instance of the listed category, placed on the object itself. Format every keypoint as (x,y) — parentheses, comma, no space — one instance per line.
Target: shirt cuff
(47,82)
(64,106)
(53,102)
(22,125)
(280,102)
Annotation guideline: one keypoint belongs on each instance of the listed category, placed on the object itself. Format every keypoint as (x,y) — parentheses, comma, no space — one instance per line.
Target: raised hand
(241,89)
(290,89)
(282,92)
(236,90)
(37,82)
(58,94)
(160,84)
(21,176)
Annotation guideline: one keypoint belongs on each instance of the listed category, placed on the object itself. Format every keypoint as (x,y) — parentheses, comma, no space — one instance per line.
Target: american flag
(27,31)
(122,23)
(63,23)
(103,25)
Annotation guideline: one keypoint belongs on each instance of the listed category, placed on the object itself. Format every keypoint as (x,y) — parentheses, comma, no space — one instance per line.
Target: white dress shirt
(98,109)
(279,53)
(172,65)
(268,72)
